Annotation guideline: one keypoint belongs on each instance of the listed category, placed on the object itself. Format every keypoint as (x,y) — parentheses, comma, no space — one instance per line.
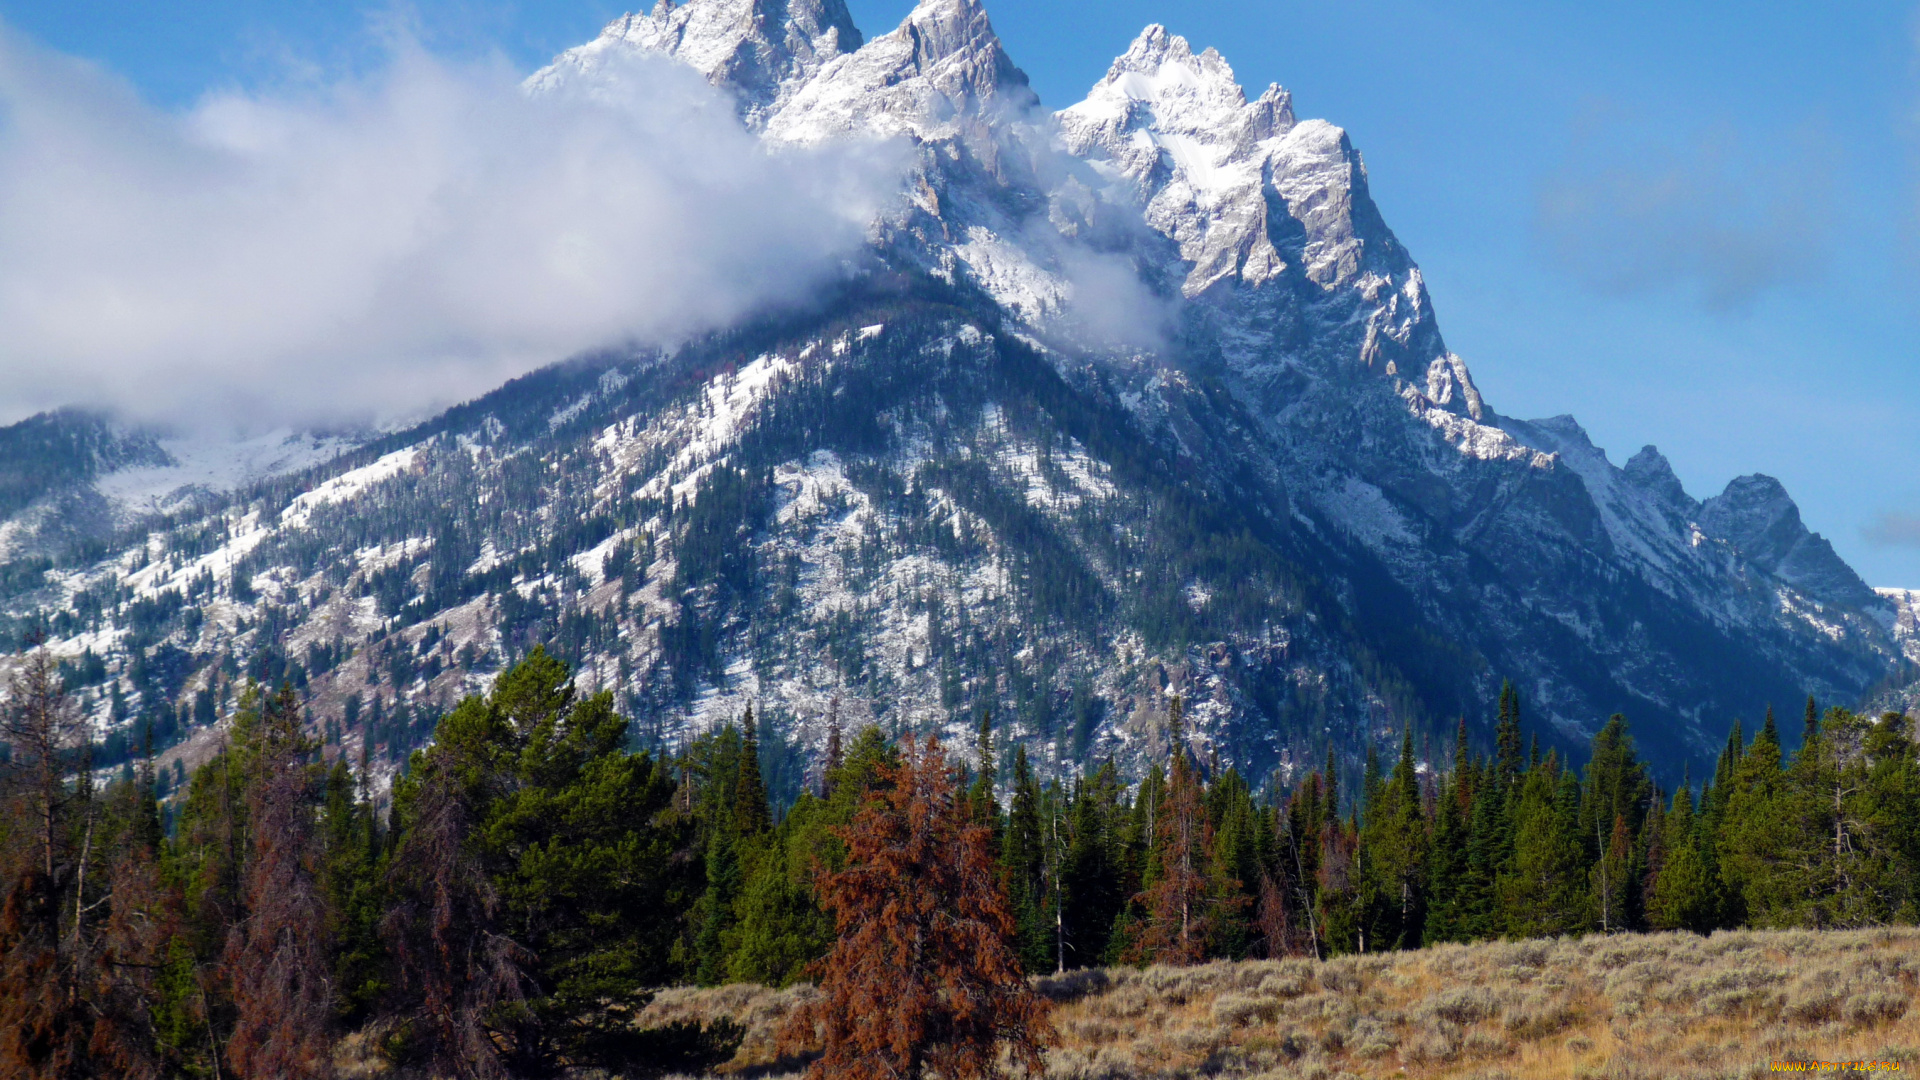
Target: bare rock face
(1134,398)
(1757,518)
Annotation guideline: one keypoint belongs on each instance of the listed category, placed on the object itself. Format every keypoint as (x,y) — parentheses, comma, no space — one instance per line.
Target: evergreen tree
(985,808)
(1233,865)
(1544,892)
(528,836)
(1447,855)
(1178,916)
(1686,894)
(1755,838)
(350,880)
(1396,842)
(1092,877)
(1613,880)
(1023,866)
(923,975)
(751,816)
(1507,762)
(781,928)
(275,956)
(78,896)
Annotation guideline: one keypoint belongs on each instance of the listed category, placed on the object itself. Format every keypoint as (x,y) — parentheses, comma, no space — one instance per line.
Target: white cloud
(385,244)
(1893,529)
(1720,218)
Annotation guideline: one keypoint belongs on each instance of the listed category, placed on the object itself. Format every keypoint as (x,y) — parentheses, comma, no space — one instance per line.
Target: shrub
(1485,1044)
(1539,1016)
(1875,1007)
(1464,1006)
(1238,1010)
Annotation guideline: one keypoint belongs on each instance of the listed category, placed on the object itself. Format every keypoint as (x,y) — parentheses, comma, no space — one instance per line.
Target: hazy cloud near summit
(385,245)
(1894,529)
(1714,217)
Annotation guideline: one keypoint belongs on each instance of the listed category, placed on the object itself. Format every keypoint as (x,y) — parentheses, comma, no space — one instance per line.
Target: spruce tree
(1544,891)
(1023,865)
(1686,894)
(1507,762)
(980,798)
(1613,880)
(1756,830)
(1395,839)
(1478,890)
(751,815)
(1178,916)
(1092,876)
(923,976)
(1447,865)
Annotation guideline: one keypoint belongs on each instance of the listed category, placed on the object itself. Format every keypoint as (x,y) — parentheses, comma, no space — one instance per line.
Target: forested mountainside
(960,480)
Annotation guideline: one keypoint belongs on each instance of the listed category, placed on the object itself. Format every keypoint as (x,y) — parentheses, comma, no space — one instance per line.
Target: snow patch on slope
(205,464)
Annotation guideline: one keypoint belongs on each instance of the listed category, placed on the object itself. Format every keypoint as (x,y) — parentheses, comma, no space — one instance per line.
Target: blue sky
(1688,225)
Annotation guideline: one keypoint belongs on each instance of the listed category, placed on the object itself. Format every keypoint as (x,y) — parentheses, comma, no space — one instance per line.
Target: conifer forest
(535,881)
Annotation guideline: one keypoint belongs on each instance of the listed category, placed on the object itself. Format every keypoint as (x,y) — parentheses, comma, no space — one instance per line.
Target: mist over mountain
(1134,398)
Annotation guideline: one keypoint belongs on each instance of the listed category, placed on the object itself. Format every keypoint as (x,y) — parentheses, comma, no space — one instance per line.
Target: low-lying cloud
(1715,218)
(1894,530)
(388,244)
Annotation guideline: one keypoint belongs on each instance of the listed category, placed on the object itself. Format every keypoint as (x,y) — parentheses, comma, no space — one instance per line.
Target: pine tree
(986,809)
(1447,858)
(1177,912)
(276,956)
(1507,762)
(1686,894)
(923,976)
(80,918)
(1486,856)
(1092,875)
(1395,839)
(1305,823)
(528,836)
(1838,868)
(1613,880)
(1544,892)
(1756,829)
(1023,868)
(781,928)
(350,877)
(751,816)
(1234,867)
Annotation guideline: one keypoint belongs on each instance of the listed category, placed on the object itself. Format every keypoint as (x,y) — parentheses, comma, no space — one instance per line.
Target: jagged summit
(1650,471)
(929,79)
(761,50)
(1756,516)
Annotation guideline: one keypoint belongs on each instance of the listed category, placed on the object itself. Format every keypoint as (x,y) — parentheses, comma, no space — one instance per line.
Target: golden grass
(1623,1007)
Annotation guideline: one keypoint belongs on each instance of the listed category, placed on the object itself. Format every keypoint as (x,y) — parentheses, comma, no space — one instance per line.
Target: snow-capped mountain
(1137,396)
(73,478)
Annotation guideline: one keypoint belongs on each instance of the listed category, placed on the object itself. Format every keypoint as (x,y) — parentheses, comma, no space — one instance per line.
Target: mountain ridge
(1141,396)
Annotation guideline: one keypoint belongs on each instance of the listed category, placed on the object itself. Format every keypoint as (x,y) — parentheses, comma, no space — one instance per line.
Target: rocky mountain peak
(1248,193)
(1757,517)
(1195,92)
(760,50)
(942,64)
(1650,471)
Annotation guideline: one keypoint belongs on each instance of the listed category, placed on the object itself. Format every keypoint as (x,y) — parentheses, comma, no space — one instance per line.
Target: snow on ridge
(217,465)
(1906,619)
(346,485)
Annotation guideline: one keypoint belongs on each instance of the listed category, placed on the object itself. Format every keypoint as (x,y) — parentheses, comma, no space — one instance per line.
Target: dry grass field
(1627,1006)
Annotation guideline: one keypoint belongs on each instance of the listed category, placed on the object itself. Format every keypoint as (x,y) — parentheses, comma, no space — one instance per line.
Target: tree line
(536,879)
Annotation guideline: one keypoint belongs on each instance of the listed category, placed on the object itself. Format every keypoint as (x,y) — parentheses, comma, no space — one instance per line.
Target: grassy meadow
(1628,1006)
